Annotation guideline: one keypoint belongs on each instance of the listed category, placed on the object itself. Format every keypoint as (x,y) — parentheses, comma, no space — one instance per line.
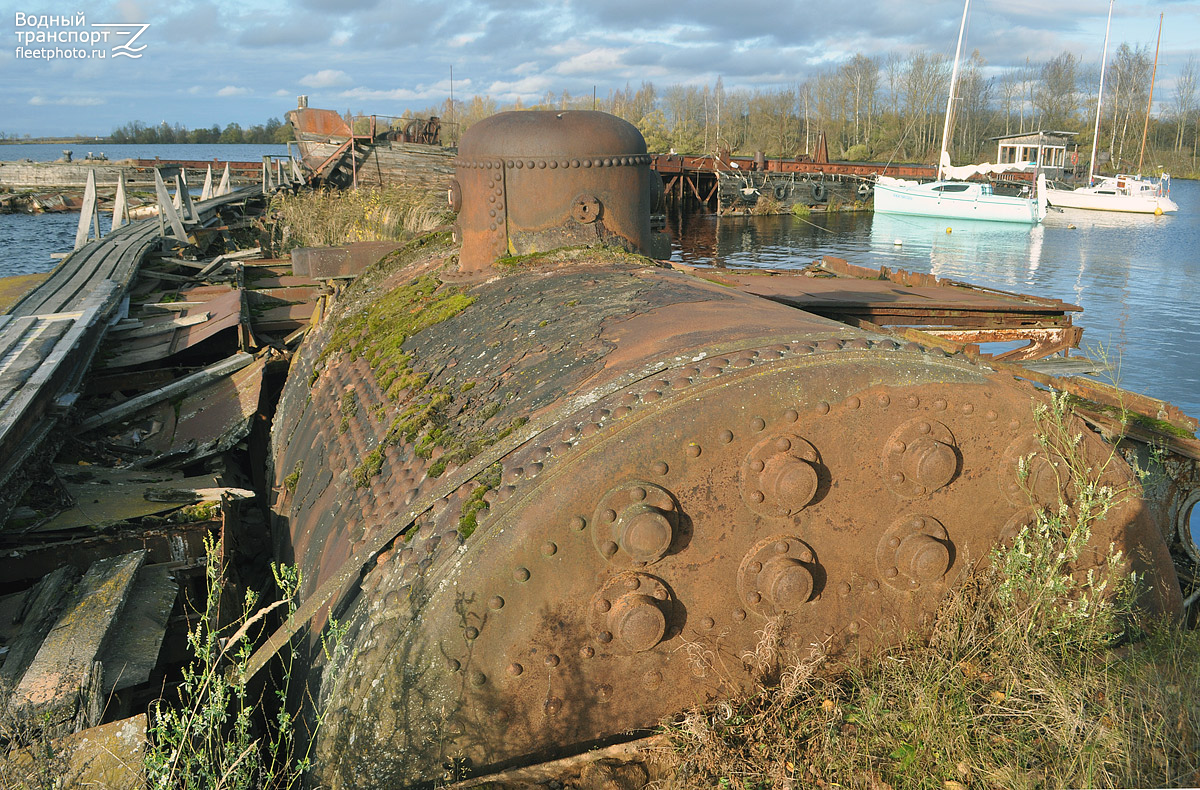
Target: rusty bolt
(638,622)
(515,669)
(788,583)
(496,602)
(931,463)
(552,660)
(478,678)
(585,209)
(790,482)
(471,632)
(924,558)
(521,574)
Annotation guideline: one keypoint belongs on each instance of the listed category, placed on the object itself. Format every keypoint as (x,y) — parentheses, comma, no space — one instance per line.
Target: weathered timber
(61,679)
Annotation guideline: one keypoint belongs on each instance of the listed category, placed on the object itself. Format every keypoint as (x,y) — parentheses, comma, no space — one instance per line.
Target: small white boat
(956,199)
(1132,194)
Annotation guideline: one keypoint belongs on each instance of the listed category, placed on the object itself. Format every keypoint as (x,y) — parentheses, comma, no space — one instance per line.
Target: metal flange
(778,574)
(914,552)
(780,476)
(631,613)
(635,524)
(920,457)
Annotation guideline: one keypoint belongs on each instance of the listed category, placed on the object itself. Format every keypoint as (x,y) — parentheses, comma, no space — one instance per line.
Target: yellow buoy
(947,230)
(1157,211)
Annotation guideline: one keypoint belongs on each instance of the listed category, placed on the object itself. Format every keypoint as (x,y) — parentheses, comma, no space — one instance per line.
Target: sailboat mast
(1100,98)
(1153,75)
(953,84)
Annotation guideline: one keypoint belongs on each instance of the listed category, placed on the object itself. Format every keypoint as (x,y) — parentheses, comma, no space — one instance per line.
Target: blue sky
(217,61)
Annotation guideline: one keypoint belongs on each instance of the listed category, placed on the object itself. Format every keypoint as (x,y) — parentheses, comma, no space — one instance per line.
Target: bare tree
(1183,103)
(1129,73)
(1055,96)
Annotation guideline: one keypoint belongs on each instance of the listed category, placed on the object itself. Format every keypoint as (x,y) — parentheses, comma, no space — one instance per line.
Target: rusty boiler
(556,500)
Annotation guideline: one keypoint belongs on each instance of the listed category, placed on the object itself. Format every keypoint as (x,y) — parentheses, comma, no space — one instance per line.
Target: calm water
(26,242)
(1137,277)
(40,152)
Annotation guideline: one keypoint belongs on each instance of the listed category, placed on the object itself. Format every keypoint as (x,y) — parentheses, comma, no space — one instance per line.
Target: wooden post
(166,209)
(89,215)
(184,197)
(120,214)
(206,191)
(224,188)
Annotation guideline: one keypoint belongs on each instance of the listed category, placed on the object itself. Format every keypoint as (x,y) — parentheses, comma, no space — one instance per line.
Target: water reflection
(1136,276)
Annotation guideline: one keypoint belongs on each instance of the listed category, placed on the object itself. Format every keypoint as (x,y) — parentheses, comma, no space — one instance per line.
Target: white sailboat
(1128,193)
(954,198)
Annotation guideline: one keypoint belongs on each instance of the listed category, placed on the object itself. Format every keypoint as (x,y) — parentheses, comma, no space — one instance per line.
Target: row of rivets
(554,164)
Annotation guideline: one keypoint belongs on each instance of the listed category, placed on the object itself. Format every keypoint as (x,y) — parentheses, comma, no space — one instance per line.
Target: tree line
(891,108)
(273,131)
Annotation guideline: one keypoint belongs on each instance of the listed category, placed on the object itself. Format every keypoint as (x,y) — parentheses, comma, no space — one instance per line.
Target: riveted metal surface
(624,564)
(533,181)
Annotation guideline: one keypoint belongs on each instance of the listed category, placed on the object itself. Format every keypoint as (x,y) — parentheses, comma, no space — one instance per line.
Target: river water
(1136,277)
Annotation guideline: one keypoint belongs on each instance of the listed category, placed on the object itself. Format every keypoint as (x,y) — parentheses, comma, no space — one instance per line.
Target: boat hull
(1091,201)
(895,196)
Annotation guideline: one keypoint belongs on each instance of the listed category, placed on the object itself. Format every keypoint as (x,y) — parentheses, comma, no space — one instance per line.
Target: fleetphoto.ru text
(53,37)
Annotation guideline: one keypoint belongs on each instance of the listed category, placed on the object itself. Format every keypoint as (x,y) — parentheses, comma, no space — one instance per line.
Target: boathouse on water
(1046,147)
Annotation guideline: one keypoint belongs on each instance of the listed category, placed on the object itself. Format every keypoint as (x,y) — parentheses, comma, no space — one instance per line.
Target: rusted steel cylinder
(538,180)
(668,466)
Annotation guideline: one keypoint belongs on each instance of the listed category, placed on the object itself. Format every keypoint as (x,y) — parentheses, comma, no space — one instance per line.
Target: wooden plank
(130,660)
(64,665)
(43,603)
(185,384)
(148,330)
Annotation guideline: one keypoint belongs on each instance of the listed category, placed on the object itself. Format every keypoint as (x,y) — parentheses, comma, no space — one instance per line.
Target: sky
(205,62)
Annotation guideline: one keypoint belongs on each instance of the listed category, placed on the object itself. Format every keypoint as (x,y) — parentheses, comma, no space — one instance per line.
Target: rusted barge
(527,466)
(378,151)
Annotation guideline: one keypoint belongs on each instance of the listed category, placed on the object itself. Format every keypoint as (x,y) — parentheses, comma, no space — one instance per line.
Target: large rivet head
(635,615)
(932,463)
(637,622)
(789,583)
(636,523)
(790,482)
(913,552)
(780,476)
(924,558)
(920,457)
(646,534)
(778,575)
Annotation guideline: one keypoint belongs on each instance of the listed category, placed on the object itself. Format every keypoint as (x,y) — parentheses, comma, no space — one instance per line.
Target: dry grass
(1029,678)
(330,218)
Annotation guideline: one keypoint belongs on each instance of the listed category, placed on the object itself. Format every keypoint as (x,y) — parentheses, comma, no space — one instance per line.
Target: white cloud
(594,61)
(283,92)
(325,78)
(232,90)
(68,101)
